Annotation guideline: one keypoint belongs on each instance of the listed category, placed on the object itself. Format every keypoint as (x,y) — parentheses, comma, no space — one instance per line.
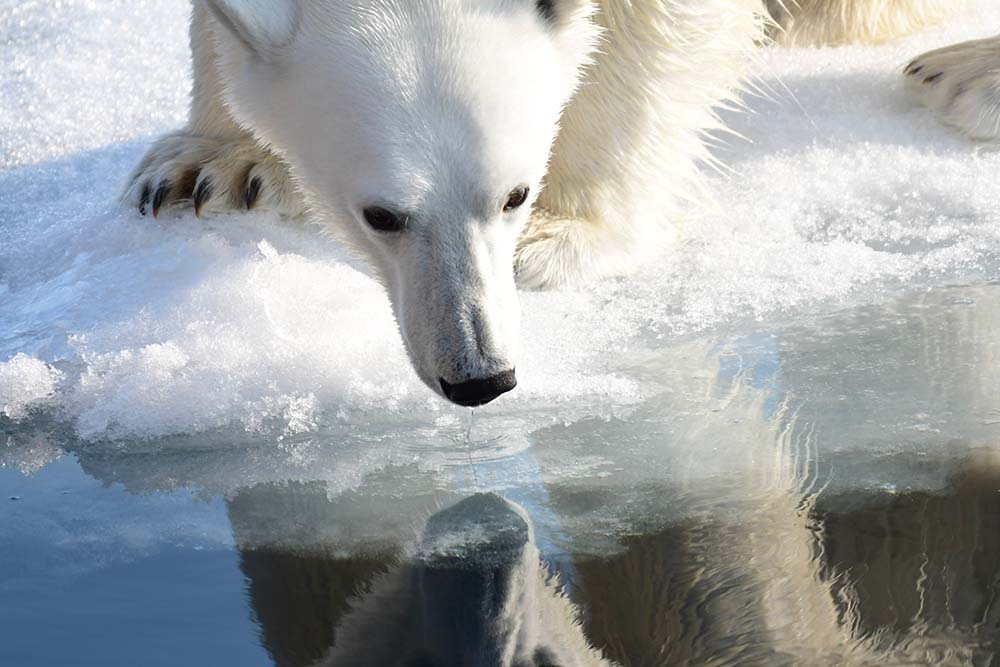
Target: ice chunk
(24,383)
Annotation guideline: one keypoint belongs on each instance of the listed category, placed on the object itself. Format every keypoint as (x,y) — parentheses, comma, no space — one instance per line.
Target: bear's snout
(479,391)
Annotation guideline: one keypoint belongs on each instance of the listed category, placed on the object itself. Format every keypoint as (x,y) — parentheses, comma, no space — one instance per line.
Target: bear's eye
(516,197)
(383,220)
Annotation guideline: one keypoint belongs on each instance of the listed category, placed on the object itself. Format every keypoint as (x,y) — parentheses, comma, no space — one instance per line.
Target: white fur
(625,163)
(434,109)
(264,26)
(439,108)
(961,84)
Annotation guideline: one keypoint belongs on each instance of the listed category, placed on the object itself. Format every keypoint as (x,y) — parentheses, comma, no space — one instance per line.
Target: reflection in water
(899,579)
(299,586)
(924,568)
(823,494)
(474,592)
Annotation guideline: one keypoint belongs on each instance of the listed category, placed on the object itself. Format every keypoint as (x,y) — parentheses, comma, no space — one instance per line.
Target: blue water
(803,492)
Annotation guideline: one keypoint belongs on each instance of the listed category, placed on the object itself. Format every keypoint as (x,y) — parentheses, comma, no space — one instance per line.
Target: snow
(843,194)
(24,382)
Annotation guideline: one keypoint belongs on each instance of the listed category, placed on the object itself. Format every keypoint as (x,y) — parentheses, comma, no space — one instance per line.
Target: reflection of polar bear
(421,132)
(475,594)
(761,570)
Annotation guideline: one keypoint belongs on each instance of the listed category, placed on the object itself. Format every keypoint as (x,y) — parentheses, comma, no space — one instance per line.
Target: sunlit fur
(833,22)
(625,165)
(435,109)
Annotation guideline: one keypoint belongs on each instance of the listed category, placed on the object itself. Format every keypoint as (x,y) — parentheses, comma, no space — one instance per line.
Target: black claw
(934,77)
(252,192)
(144,198)
(202,193)
(160,196)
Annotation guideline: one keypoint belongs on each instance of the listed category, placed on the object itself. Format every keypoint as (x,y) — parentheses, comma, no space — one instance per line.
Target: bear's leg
(961,84)
(213,164)
(625,164)
(554,250)
(833,22)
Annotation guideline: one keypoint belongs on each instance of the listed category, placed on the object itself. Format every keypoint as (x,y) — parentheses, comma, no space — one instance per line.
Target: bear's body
(454,143)
(622,166)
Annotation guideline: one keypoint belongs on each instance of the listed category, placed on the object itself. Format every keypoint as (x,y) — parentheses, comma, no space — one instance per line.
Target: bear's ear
(560,13)
(547,9)
(263,26)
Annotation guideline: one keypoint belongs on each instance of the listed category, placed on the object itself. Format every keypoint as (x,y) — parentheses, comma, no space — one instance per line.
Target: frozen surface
(843,194)
(861,443)
(24,383)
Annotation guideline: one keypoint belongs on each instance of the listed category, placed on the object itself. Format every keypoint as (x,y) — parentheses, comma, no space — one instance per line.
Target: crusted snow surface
(841,193)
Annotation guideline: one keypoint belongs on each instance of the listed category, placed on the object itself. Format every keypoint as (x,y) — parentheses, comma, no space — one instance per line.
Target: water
(776,444)
(819,491)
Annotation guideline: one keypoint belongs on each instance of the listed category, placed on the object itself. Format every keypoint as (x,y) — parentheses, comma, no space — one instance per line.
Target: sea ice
(843,193)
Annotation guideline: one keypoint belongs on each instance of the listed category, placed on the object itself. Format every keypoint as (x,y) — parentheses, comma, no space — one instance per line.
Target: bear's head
(419,133)
(475,593)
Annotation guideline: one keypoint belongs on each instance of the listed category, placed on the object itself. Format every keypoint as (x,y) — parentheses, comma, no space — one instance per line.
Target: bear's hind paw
(961,84)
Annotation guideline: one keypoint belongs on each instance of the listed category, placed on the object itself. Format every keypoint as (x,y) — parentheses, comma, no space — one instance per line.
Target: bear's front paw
(210,174)
(554,251)
(961,84)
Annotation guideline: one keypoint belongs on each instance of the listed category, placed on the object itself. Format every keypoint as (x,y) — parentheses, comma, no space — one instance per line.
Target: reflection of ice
(61,524)
(31,453)
(902,386)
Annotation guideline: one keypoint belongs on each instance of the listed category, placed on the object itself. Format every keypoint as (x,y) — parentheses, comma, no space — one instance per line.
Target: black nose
(479,392)
(481,530)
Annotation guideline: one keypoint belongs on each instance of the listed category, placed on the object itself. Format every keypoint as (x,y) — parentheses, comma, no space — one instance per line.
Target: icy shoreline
(133,327)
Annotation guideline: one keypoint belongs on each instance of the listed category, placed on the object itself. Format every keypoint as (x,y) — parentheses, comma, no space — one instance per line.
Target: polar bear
(475,593)
(420,133)
(464,147)
(960,83)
